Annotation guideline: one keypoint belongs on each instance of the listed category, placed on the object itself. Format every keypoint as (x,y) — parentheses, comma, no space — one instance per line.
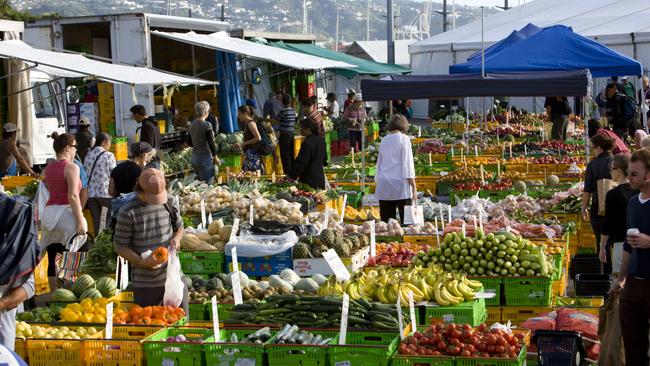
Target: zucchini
(284,330)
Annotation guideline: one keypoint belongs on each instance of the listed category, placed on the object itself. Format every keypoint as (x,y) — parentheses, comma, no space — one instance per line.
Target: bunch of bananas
(387,285)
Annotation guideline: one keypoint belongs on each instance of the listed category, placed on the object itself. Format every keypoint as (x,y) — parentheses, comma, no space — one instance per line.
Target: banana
(451,299)
(381,295)
(438,296)
(452,287)
(416,291)
(466,291)
(391,295)
(473,284)
(422,285)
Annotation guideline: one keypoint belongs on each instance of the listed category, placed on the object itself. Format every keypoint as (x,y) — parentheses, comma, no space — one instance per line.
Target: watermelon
(91,293)
(106,286)
(63,295)
(83,283)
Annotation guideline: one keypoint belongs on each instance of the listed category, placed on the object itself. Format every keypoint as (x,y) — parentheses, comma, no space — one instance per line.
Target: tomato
(417,335)
(482,347)
(465,353)
(513,341)
(501,341)
(520,335)
(454,341)
(451,327)
(453,350)
(482,327)
(456,333)
(491,339)
(468,333)
(485,355)
(437,337)
(512,355)
(491,348)
(500,349)
(436,353)
(442,346)
(470,348)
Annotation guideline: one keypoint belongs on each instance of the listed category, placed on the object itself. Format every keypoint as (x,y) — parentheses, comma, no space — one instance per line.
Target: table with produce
(321,280)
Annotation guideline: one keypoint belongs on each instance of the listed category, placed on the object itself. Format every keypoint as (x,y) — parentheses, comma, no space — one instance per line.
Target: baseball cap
(152,182)
(252,102)
(624,78)
(84,121)
(9,127)
(358,98)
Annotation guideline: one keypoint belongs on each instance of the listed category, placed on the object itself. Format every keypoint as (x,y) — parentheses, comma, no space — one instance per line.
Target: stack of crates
(106,101)
(120,148)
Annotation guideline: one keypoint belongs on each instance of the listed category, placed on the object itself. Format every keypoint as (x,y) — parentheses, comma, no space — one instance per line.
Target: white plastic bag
(173,284)
(42,196)
(617,257)
(413,215)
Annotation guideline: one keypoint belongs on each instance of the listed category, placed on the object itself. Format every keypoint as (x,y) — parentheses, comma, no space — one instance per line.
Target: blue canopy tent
(515,36)
(229,95)
(552,49)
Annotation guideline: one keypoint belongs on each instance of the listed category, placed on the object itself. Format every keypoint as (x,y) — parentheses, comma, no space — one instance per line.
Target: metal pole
(363,155)
(390,38)
(196,87)
(368,20)
(336,42)
(444,15)
(482,43)
(223,12)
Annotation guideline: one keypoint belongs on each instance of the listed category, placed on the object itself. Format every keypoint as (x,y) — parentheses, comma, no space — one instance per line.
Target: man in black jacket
(558,110)
(149,132)
(308,166)
(615,111)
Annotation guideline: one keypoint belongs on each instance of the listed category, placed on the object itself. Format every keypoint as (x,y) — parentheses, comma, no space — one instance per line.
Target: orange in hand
(160,254)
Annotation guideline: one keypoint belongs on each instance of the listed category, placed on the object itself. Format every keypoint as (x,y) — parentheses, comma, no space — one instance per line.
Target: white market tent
(220,41)
(67,64)
(378,51)
(622,25)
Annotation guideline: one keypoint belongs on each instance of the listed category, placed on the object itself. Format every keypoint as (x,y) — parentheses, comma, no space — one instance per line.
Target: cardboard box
(262,266)
(312,266)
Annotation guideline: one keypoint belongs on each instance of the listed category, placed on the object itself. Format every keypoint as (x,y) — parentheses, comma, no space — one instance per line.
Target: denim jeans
(203,168)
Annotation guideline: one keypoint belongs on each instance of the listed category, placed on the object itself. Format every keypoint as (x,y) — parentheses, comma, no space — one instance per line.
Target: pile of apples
(462,341)
(395,254)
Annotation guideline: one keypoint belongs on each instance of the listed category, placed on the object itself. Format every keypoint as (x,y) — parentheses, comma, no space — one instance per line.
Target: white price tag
(236,288)
(102,220)
(233,256)
(215,319)
(235,229)
(337,266)
(449,211)
(245,362)
(203,218)
(430,159)
(343,363)
(124,273)
(108,331)
(251,215)
(400,318)
(210,218)
(412,313)
(344,319)
(435,225)
(168,362)
(452,151)
(419,131)
(463,229)
(326,220)
(273,177)
(475,150)
(373,239)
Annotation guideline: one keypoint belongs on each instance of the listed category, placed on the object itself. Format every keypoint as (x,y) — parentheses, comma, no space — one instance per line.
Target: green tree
(7,11)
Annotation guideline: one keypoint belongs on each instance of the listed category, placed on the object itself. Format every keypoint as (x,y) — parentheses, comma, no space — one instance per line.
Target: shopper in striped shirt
(150,220)
(286,122)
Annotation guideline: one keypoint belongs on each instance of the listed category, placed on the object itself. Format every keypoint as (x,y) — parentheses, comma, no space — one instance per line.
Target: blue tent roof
(554,48)
(514,37)
(529,30)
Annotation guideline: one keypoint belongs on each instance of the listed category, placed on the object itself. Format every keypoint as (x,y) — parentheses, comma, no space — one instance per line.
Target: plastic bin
(527,291)
(226,353)
(558,348)
(365,349)
(587,284)
(521,358)
(160,352)
(584,263)
(113,352)
(298,354)
(491,285)
(202,262)
(469,312)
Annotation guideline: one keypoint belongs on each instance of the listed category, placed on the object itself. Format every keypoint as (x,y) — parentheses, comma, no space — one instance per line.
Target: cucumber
(284,331)
(316,339)
(331,301)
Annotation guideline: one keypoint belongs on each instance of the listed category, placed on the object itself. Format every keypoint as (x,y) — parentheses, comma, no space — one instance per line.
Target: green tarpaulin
(363,67)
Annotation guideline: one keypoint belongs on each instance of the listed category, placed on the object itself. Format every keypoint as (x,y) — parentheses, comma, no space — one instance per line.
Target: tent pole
(363,156)
(196,87)
(482,43)
(586,130)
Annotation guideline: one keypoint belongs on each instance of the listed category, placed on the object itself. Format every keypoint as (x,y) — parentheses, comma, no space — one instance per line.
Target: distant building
(378,51)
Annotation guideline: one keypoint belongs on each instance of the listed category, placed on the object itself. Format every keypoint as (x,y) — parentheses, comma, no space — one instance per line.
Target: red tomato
(485,355)
(500,349)
(456,333)
(482,327)
(501,341)
(417,335)
(451,327)
(482,347)
(467,327)
(454,341)
(465,353)
(442,346)
(436,353)
(491,348)
(491,339)
(453,350)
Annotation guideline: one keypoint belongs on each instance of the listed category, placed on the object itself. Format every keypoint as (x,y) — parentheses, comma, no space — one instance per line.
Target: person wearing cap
(149,132)
(10,158)
(628,87)
(150,220)
(85,139)
(204,150)
(355,114)
(272,106)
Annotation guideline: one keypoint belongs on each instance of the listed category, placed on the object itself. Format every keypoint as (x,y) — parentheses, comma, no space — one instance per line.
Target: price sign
(210,219)
(337,266)
(345,202)
(345,308)
(400,318)
(235,229)
(215,318)
(412,313)
(251,214)
(235,262)
(203,218)
(236,287)
(108,330)
(373,239)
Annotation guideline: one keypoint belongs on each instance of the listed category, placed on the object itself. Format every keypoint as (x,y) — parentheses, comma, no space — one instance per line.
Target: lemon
(99,319)
(87,318)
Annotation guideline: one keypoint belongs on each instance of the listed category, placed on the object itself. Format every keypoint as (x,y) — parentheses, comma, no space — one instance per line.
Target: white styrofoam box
(312,266)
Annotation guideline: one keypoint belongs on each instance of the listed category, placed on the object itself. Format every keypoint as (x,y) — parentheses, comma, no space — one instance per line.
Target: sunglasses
(75,146)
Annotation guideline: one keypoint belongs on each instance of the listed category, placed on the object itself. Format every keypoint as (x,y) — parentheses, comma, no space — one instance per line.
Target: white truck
(127,39)
(44,115)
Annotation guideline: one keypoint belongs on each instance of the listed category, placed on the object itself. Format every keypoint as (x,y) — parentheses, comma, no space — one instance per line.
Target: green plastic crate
(226,353)
(527,291)
(158,351)
(223,309)
(202,262)
(491,285)
(469,312)
(365,349)
(408,360)
(519,361)
(231,160)
(298,354)
(198,312)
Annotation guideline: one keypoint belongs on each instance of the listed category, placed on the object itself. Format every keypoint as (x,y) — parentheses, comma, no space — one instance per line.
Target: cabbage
(220,138)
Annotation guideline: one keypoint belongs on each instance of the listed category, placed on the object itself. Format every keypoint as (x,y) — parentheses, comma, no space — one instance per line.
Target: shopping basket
(559,348)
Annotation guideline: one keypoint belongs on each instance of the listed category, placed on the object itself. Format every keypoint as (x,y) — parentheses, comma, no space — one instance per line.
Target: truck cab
(47,111)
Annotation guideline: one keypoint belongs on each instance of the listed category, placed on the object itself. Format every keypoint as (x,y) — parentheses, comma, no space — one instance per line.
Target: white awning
(220,41)
(67,64)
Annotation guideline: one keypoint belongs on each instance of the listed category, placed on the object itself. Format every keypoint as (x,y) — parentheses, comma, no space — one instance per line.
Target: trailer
(128,39)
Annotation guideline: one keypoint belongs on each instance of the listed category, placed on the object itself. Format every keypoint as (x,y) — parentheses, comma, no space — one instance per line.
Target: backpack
(268,141)
(630,109)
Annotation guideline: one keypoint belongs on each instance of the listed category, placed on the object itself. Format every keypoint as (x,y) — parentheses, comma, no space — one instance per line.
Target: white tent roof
(66,64)
(378,50)
(589,18)
(222,42)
